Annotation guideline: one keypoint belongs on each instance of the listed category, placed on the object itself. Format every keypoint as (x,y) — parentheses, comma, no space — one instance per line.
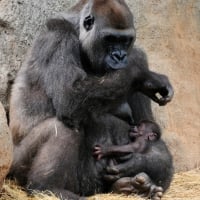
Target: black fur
(56,99)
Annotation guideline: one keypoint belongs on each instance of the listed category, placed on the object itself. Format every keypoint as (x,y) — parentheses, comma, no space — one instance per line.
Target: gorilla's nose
(119,55)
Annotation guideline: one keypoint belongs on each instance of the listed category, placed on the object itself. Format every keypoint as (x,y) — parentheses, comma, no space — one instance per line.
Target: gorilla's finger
(111,178)
(112,170)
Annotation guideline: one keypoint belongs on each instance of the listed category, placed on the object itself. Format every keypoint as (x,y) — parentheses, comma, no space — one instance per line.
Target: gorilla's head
(107,34)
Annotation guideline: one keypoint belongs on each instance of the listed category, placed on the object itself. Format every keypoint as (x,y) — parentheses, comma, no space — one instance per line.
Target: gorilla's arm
(56,67)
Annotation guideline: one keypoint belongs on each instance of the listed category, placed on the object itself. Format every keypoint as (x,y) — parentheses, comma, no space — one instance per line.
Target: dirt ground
(185,186)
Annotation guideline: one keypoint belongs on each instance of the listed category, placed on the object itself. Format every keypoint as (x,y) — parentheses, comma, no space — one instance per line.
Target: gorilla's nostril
(123,55)
(116,55)
(119,56)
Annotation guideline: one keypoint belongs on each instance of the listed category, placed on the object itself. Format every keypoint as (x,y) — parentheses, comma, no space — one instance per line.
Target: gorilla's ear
(88,22)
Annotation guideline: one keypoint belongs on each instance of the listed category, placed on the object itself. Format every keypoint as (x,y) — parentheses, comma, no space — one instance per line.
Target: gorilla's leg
(140,184)
(49,154)
(31,143)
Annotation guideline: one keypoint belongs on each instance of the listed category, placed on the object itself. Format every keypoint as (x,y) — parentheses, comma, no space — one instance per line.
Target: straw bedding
(185,186)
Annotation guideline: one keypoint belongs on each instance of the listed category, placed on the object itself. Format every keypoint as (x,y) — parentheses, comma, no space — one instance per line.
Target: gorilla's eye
(88,22)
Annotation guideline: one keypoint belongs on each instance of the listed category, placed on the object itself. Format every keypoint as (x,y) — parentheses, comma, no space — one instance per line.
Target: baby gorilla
(142,135)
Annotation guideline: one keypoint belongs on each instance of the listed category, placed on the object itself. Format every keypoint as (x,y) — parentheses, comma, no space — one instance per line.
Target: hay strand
(185,185)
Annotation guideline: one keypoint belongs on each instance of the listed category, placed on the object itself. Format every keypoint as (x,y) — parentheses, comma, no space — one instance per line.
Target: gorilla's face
(116,46)
(106,37)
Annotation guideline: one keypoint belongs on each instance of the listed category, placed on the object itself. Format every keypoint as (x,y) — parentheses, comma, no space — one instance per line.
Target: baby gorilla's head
(149,130)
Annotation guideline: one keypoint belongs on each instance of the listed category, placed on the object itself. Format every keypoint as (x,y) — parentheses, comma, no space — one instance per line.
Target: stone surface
(20,22)
(6,148)
(168,30)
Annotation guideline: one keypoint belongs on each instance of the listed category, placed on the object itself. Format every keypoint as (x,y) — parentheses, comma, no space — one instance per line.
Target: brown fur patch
(116,11)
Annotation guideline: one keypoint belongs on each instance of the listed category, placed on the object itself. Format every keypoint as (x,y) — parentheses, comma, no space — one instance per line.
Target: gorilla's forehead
(116,13)
(122,32)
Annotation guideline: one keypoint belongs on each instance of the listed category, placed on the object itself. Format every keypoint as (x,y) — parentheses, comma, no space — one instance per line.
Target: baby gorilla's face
(146,131)
(143,130)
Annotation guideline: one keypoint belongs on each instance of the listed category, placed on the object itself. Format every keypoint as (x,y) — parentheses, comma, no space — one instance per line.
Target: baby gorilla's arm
(117,150)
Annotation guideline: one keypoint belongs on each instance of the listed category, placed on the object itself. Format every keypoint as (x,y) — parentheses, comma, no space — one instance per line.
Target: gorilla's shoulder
(139,52)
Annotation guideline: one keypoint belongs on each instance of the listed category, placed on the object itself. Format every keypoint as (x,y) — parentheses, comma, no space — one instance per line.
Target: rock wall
(168,30)
(20,22)
(6,148)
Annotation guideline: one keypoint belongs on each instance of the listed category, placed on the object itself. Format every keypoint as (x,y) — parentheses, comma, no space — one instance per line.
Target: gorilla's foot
(143,185)
(140,184)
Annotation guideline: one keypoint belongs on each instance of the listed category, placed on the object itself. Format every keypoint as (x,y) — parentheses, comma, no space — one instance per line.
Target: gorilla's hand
(157,87)
(115,171)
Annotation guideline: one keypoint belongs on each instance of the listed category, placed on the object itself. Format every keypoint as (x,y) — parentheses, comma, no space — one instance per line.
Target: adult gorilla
(85,66)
